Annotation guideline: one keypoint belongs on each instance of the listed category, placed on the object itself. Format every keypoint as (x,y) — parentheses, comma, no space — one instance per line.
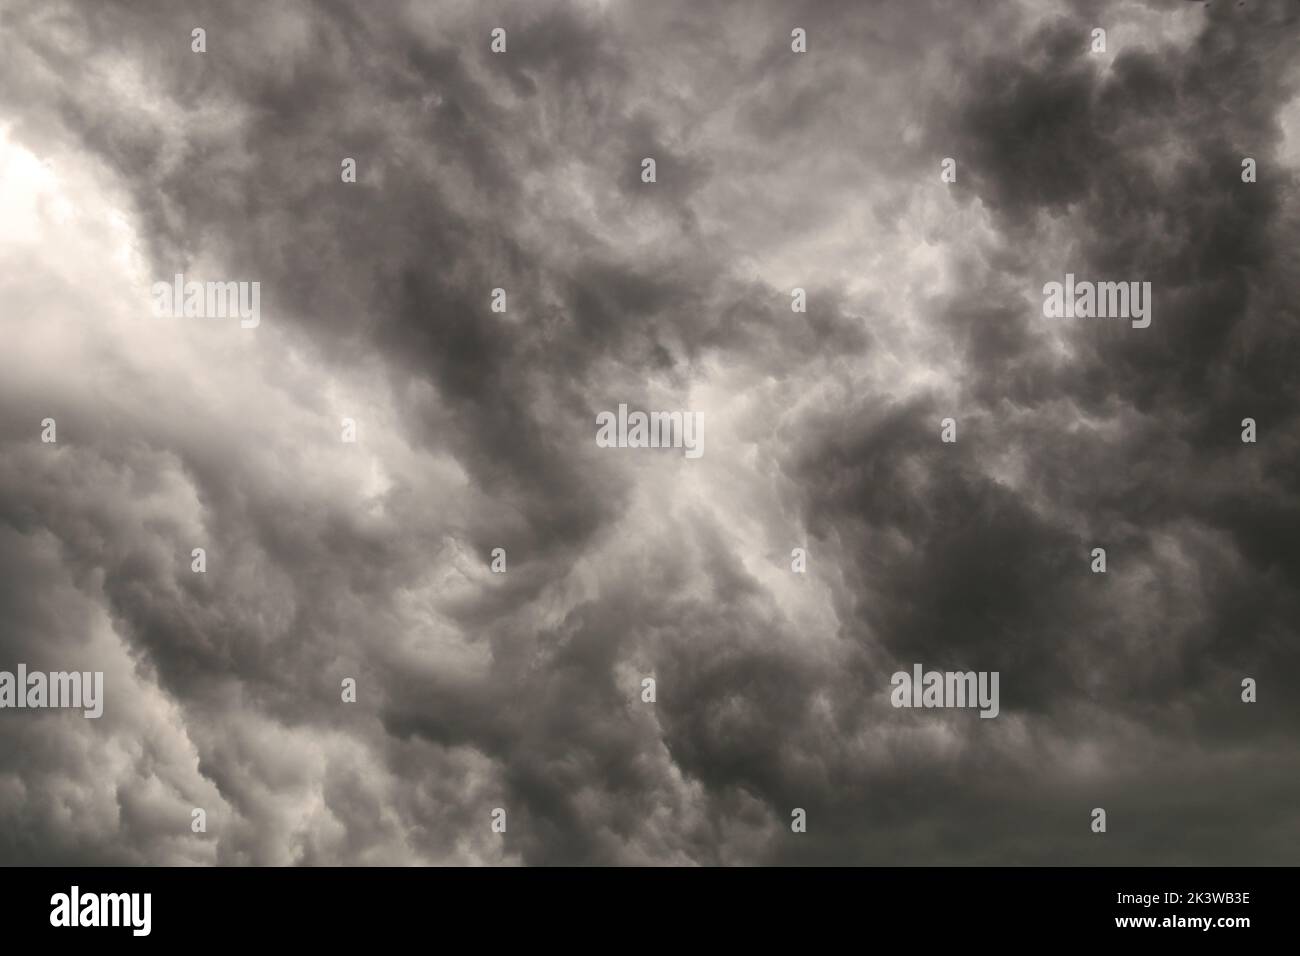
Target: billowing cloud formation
(125,158)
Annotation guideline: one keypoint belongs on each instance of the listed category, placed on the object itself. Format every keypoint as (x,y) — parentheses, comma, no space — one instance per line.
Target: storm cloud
(126,158)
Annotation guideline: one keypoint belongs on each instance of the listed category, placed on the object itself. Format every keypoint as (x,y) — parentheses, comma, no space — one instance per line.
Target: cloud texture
(126,158)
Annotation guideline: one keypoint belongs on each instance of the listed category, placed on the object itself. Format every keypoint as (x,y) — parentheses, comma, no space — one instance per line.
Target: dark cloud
(523,691)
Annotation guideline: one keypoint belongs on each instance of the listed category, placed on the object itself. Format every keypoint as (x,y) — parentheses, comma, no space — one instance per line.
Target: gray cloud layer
(125,158)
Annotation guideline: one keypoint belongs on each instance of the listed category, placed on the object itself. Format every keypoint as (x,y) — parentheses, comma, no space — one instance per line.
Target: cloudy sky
(126,157)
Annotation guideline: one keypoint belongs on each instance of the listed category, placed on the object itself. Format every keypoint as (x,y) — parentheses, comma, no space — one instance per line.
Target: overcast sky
(126,157)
